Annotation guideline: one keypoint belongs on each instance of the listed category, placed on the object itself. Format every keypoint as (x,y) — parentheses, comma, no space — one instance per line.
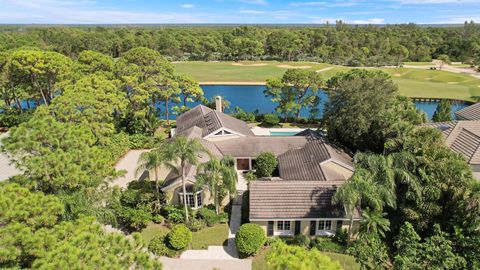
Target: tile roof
(252,146)
(209,120)
(469,113)
(294,199)
(462,137)
(306,163)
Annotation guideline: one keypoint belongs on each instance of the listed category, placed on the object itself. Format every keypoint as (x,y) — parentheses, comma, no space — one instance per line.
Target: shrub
(270,120)
(250,176)
(196,225)
(179,237)
(249,239)
(327,244)
(265,164)
(159,247)
(208,215)
(174,214)
(158,219)
(341,236)
(301,240)
(222,218)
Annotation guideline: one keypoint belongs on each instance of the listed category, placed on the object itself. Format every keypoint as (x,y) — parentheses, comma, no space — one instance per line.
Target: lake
(251,98)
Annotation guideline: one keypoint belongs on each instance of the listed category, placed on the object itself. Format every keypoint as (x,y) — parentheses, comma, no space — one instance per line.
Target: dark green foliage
(208,215)
(301,240)
(341,236)
(11,116)
(371,253)
(158,246)
(327,244)
(137,205)
(364,110)
(345,44)
(174,214)
(265,164)
(435,252)
(244,116)
(443,113)
(179,237)
(245,207)
(196,224)
(249,239)
(270,120)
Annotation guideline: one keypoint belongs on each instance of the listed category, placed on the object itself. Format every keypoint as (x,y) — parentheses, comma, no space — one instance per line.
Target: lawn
(209,236)
(411,82)
(346,261)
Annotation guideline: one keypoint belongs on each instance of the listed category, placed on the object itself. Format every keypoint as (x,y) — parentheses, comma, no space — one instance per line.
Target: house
(469,113)
(310,169)
(463,137)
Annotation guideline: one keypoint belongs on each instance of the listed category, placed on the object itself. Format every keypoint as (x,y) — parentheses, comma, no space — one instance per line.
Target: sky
(237,11)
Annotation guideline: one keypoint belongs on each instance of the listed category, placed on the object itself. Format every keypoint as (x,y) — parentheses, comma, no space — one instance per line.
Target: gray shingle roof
(462,137)
(306,163)
(469,113)
(294,199)
(209,121)
(252,146)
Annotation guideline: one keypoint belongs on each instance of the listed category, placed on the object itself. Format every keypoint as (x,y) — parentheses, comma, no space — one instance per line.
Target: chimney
(218,103)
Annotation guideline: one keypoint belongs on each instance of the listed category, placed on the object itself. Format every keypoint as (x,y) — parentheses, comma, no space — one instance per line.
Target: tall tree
(374,222)
(443,113)
(220,177)
(149,161)
(179,153)
(191,90)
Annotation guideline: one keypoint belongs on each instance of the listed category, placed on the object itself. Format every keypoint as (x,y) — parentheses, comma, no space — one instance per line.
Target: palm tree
(374,222)
(180,152)
(148,161)
(220,177)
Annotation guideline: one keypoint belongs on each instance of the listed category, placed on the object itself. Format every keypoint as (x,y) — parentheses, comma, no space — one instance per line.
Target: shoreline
(231,83)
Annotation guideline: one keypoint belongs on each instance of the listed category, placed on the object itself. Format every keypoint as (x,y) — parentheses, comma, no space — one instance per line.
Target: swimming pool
(283,133)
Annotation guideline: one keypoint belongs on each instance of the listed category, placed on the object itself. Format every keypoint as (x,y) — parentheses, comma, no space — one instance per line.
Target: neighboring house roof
(462,137)
(209,121)
(7,169)
(252,146)
(294,199)
(310,134)
(308,162)
(469,113)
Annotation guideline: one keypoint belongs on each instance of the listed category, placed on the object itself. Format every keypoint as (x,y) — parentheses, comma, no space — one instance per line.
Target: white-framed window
(283,225)
(324,225)
(193,200)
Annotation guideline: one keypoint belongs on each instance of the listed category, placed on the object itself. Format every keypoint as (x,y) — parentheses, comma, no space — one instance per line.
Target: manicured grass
(346,261)
(153,230)
(411,82)
(210,236)
(418,63)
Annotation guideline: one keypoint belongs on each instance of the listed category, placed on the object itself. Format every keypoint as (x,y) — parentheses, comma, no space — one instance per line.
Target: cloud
(369,21)
(429,2)
(301,4)
(187,6)
(255,2)
(251,11)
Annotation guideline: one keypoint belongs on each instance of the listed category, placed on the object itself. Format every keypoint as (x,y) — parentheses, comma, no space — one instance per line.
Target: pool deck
(259,131)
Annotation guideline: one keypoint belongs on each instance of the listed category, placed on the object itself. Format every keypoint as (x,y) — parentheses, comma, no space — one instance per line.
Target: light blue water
(283,133)
(251,98)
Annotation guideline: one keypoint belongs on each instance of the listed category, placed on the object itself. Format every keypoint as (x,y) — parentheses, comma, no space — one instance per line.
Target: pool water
(283,133)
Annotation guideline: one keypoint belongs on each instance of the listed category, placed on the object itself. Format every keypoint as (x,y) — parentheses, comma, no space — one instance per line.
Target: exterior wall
(339,169)
(305,227)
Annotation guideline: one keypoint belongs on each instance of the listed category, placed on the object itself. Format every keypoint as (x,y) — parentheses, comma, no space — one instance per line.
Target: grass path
(412,82)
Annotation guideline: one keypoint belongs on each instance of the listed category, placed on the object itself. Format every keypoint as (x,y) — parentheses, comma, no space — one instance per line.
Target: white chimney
(218,103)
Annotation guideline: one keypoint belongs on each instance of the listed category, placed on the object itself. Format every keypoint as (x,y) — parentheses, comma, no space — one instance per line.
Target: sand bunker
(452,82)
(289,66)
(250,65)
(397,74)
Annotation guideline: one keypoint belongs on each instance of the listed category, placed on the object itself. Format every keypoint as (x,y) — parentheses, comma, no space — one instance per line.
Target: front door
(243,164)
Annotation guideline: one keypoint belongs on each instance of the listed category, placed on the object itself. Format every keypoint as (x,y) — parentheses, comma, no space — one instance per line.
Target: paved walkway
(205,264)
(129,164)
(241,182)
